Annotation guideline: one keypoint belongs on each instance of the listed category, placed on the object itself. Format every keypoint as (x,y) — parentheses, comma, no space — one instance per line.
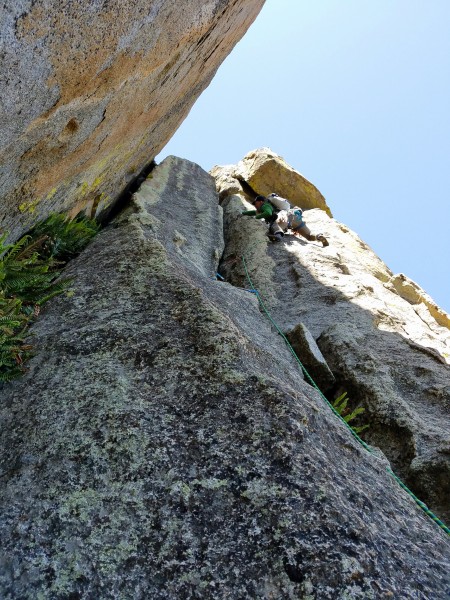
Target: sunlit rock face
(265,172)
(164,443)
(385,340)
(92,91)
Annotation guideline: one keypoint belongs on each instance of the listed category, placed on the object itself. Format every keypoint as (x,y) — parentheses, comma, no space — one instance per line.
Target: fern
(63,238)
(55,289)
(13,349)
(26,275)
(340,405)
(29,272)
(12,249)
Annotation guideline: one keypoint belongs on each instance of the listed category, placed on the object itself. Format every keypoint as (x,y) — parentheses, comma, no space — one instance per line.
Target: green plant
(29,277)
(25,275)
(13,349)
(340,405)
(62,238)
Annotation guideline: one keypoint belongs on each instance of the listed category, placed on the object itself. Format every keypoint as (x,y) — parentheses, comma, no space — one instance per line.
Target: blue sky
(354,94)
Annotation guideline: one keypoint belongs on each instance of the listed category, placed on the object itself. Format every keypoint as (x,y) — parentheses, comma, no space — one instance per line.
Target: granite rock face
(388,345)
(92,91)
(164,444)
(305,346)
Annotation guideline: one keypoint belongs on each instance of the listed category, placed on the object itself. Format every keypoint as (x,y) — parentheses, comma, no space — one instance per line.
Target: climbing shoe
(275,237)
(323,239)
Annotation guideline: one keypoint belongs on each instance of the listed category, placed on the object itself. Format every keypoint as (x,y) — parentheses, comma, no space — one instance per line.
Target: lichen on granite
(164,444)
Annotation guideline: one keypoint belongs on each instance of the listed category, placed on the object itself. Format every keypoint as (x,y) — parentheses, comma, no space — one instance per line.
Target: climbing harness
(421,504)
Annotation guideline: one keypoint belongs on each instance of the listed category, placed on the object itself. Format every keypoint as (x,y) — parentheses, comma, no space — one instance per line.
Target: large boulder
(92,91)
(164,444)
(262,171)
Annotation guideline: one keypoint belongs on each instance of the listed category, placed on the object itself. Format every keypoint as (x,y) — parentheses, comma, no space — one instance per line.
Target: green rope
(421,504)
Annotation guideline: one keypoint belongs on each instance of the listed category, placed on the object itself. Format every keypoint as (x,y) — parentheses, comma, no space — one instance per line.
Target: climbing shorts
(302,224)
(295,219)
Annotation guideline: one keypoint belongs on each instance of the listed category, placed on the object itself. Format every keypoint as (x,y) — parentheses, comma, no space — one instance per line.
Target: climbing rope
(421,504)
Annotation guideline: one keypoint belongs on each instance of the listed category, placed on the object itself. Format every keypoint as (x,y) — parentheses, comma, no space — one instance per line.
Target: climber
(281,220)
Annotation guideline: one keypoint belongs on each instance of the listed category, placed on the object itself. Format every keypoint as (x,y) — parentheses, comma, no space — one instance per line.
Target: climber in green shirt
(281,220)
(264,210)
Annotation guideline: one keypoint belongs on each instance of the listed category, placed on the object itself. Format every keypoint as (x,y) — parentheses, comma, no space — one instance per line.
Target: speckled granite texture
(163,444)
